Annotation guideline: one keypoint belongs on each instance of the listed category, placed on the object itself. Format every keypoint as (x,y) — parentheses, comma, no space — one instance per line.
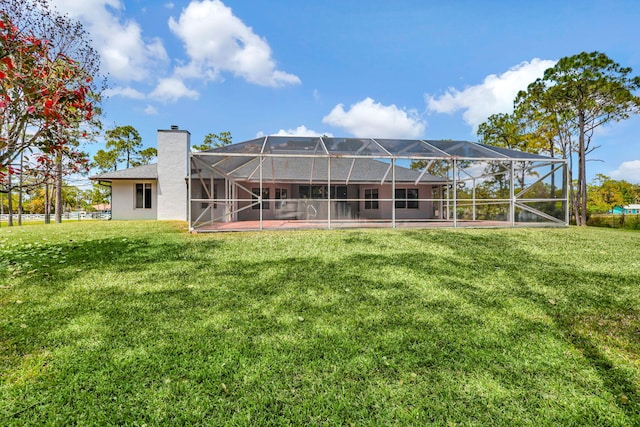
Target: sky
(347,68)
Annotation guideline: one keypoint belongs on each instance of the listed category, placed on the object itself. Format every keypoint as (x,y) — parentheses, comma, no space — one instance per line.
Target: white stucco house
(157,191)
(298,182)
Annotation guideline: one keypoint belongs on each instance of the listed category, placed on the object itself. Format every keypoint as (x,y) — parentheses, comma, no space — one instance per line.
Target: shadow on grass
(475,327)
(564,293)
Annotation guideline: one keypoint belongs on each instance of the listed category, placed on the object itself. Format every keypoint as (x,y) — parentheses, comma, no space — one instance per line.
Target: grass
(140,323)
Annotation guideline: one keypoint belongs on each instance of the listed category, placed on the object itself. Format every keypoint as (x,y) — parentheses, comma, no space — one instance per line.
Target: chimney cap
(174,127)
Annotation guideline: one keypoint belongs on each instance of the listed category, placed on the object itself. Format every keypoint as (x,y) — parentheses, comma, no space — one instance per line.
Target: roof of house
(309,169)
(138,172)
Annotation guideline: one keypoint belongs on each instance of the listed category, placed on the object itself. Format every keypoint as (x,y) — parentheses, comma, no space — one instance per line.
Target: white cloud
(125,55)
(627,171)
(150,110)
(171,89)
(494,95)
(125,92)
(300,131)
(370,119)
(217,41)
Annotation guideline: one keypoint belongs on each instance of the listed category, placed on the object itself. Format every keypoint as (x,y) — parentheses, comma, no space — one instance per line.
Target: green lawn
(140,323)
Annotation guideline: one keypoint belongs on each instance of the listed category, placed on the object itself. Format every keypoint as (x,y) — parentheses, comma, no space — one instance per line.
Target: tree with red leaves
(47,87)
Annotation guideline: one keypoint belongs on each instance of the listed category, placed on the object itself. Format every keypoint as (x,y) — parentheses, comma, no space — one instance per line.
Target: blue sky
(394,68)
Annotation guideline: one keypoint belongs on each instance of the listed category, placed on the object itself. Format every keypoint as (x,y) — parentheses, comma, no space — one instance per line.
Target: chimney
(173,163)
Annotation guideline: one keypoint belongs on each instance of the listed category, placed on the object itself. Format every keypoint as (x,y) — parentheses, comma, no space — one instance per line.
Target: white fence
(78,216)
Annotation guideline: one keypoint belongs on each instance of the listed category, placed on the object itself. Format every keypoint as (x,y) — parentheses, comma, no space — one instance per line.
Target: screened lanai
(279,182)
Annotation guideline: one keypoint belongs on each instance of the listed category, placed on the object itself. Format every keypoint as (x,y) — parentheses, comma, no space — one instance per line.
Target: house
(157,191)
(633,209)
(294,182)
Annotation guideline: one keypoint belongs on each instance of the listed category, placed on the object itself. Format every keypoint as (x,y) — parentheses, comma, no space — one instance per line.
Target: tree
(145,157)
(124,145)
(42,87)
(125,141)
(100,194)
(587,91)
(213,140)
(548,123)
(105,160)
(502,130)
(510,131)
(47,84)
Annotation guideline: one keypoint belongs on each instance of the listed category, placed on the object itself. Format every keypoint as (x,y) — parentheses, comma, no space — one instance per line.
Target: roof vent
(174,127)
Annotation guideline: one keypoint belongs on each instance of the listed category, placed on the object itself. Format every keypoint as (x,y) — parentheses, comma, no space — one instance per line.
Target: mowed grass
(140,323)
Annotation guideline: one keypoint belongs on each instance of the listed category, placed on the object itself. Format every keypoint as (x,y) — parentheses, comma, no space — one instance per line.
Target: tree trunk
(10,199)
(58,187)
(47,204)
(582,175)
(569,180)
(20,190)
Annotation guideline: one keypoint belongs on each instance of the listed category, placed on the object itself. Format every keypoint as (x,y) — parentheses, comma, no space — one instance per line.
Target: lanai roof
(369,147)
(296,158)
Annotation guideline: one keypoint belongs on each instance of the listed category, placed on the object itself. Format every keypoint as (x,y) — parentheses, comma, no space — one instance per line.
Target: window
(313,191)
(281,198)
(320,191)
(371,198)
(406,198)
(143,196)
(265,198)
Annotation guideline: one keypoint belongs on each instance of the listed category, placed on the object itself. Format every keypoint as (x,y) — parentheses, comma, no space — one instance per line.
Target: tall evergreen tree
(125,141)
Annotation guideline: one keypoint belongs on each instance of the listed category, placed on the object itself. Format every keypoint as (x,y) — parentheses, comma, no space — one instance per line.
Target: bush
(615,221)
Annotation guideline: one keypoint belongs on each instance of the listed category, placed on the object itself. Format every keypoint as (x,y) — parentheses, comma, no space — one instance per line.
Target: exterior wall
(123,200)
(278,209)
(173,161)
(425,208)
(317,209)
